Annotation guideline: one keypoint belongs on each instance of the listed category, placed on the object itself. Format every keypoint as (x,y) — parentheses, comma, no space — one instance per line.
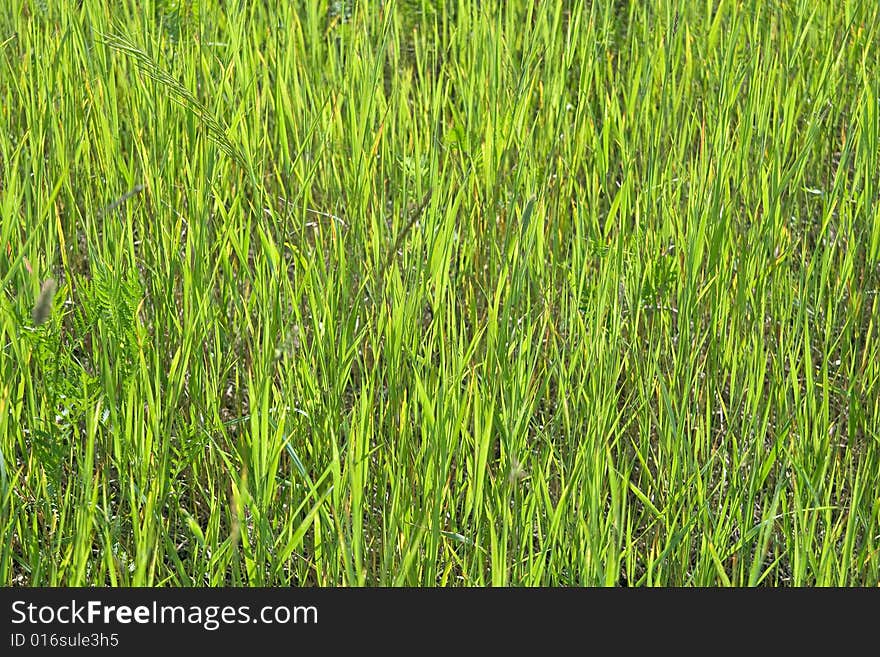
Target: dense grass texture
(440,293)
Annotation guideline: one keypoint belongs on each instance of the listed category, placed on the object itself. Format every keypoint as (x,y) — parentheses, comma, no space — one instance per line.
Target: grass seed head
(43,306)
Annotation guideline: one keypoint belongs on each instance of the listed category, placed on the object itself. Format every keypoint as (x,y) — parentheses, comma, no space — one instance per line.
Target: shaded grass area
(440,293)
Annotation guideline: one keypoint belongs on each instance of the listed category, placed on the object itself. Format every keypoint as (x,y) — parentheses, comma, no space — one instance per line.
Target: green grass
(436,293)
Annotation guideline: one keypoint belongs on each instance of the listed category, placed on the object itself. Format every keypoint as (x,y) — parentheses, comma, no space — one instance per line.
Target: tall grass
(438,292)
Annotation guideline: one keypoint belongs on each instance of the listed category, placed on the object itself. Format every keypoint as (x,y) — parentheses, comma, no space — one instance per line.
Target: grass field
(440,293)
